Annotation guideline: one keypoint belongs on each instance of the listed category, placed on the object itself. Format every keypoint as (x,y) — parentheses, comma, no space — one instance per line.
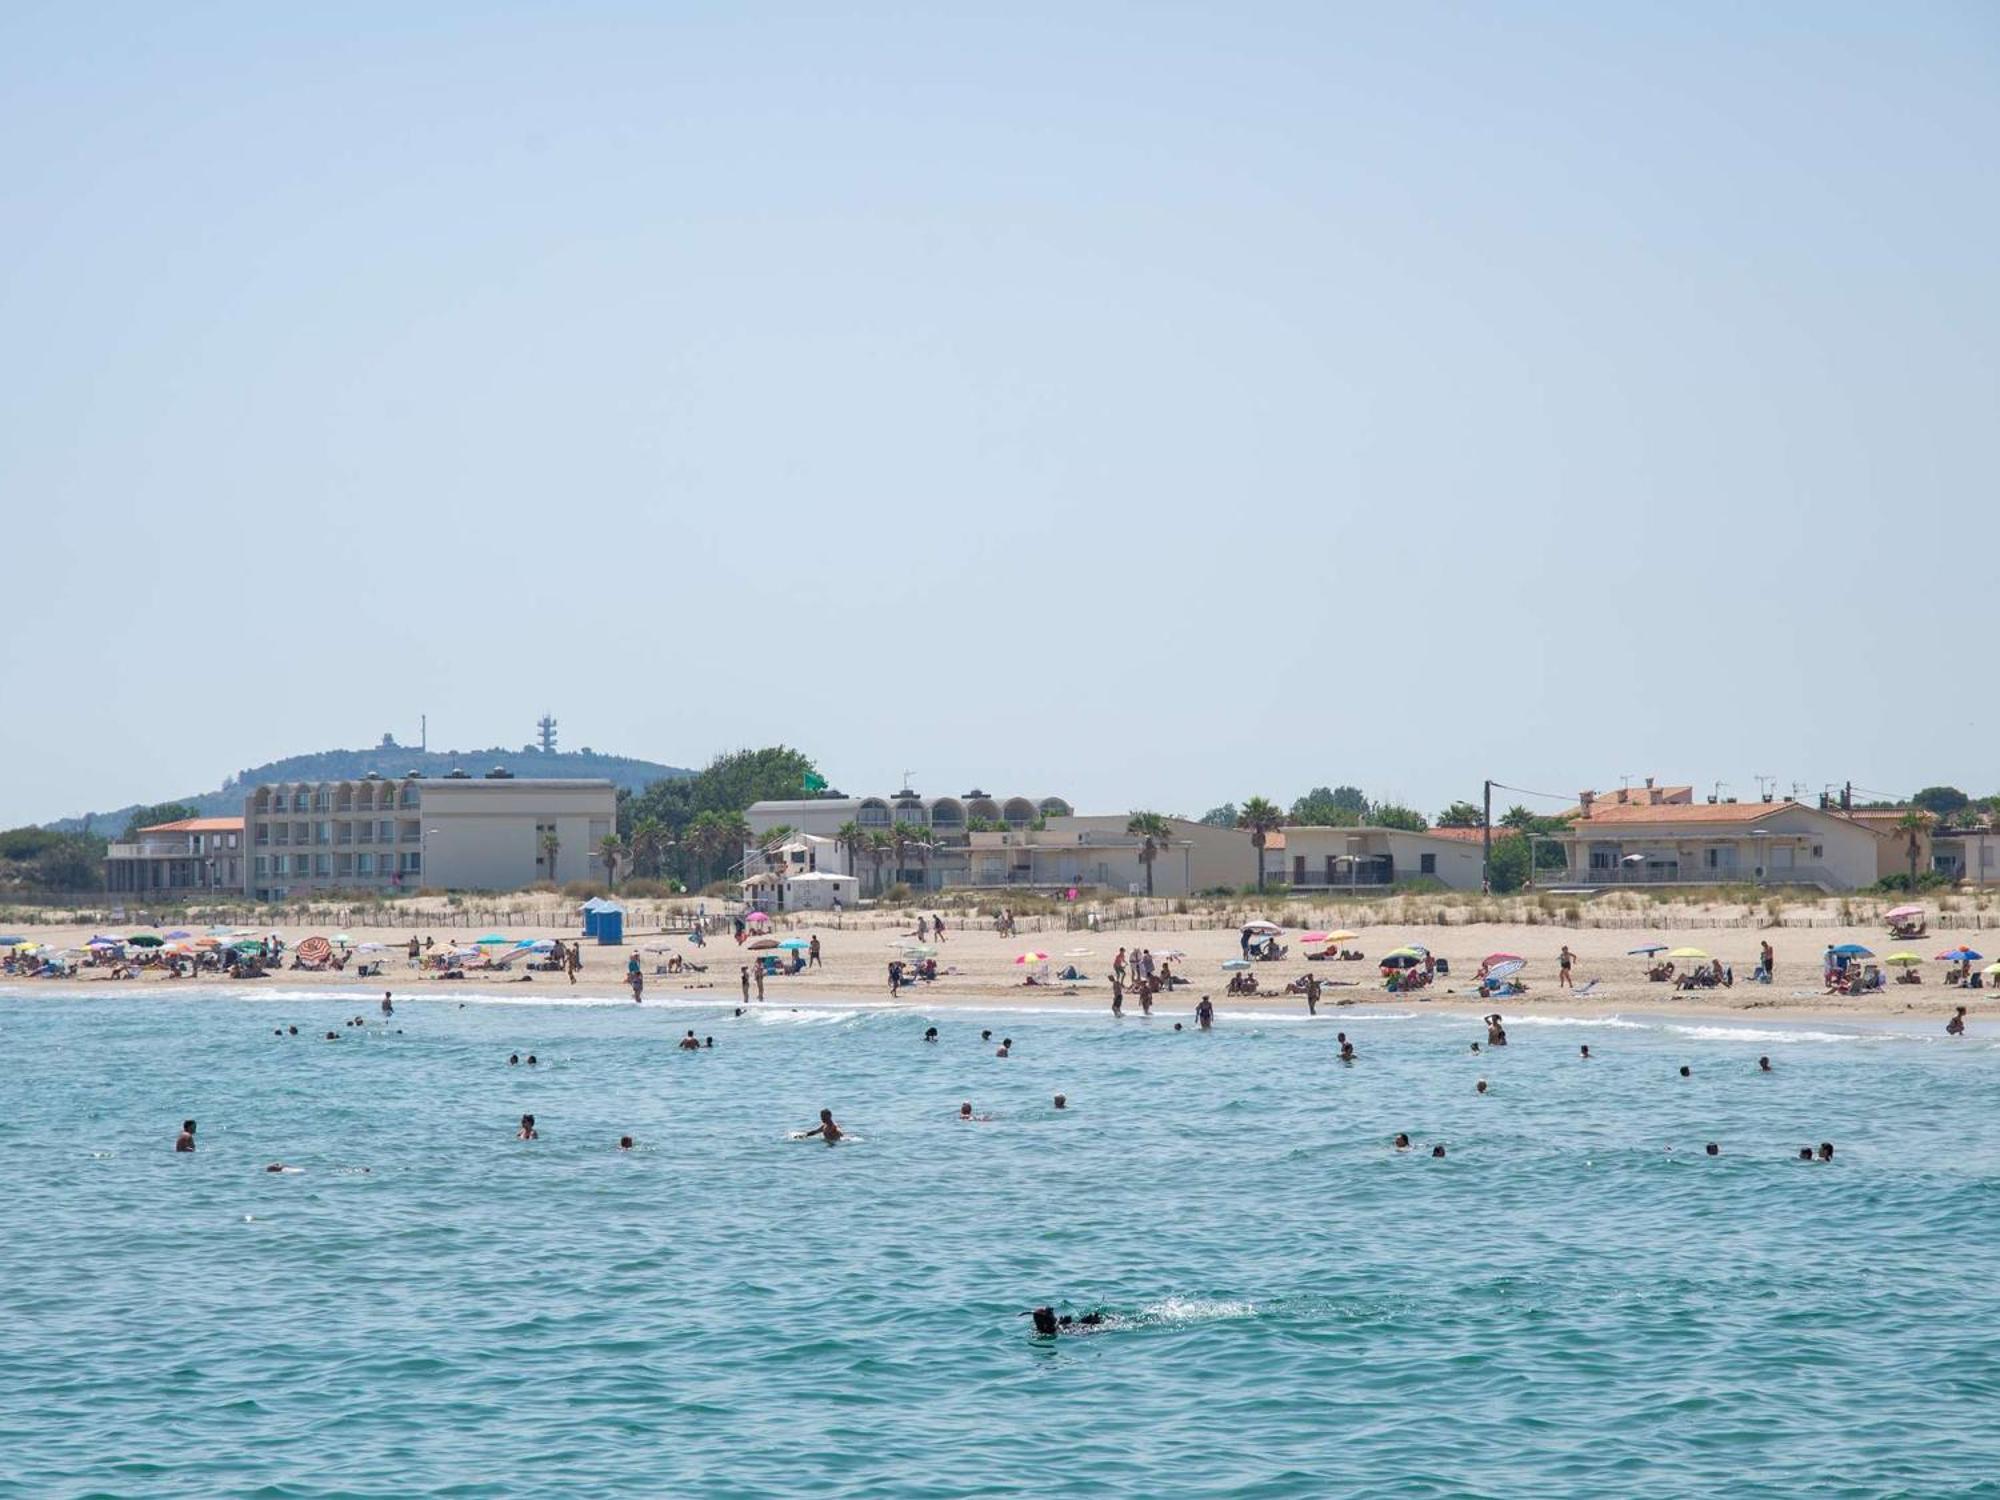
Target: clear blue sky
(1153,404)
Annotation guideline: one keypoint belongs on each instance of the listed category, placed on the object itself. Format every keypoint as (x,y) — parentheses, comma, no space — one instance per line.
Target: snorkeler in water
(1048,1324)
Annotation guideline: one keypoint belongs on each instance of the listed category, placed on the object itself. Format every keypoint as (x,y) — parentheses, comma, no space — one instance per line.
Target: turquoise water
(1561,1307)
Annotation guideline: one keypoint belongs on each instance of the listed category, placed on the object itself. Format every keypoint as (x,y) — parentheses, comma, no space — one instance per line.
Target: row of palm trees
(880,845)
(709,843)
(1259,817)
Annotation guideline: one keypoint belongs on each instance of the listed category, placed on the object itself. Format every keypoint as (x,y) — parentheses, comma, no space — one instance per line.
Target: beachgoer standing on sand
(1312,994)
(573,962)
(1769,960)
(812,954)
(937,926)
(895,977)
(1118,966)
(746,983)
(1563,961)
(759,977)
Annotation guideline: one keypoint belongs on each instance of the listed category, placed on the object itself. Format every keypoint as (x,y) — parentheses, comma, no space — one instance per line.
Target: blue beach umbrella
(795,944)
(1647,949)
(1852,950)
(11,942)
(1960,955)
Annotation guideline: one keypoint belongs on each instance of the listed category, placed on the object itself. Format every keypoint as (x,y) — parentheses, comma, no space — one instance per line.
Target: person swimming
(513,1059)
(985,1036)
(185,1140)
(826,1129)
(1496,1034)
(1584,1051)
(1712,1149)
(624,1143)
(534,1061)
(930,1033)
(689,1044)
(708,1043)
(1763,1065)
(1956,1025)
(387,1008)
(965,1110)
(1346,1049)
(527,1132)
(1436,1152)
(1686,1071)
(1006,1048)
(1480,1087)
(1204,1013)
(1805,1153)
(1402,1142)
(1826,1150)
(1062,1101)
(1475,1046)
(1048,1324)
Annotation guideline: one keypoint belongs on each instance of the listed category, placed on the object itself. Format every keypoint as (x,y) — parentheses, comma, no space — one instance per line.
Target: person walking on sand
(812,954)
(1312,994)
(1563,961)
(1768,961)
(572,962)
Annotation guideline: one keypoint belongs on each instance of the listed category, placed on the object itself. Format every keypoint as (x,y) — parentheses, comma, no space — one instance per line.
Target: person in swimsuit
(527,1132)
(387,1008)
(1205,1013)
(826,1129)
(185,1140)
(1563,961)
(1496,1034)
(689,1044)
(1956,1025)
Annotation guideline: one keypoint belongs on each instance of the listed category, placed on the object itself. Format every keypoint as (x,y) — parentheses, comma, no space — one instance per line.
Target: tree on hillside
(1941,800)
(1460,815)
(1153,831)
(1260,818)
(158,813)
(1220,817)
(1393,815)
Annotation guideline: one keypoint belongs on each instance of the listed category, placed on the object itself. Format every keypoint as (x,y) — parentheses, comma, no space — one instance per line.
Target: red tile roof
(197,825)
(1686,812)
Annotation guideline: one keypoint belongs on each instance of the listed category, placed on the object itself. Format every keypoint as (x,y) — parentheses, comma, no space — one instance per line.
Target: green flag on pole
(815,782)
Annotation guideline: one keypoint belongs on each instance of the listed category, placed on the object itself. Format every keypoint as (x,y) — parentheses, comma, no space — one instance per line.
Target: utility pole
(1486,843)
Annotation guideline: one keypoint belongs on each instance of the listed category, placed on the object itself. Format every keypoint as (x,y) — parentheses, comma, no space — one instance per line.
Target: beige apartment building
(456,832)
(189,857)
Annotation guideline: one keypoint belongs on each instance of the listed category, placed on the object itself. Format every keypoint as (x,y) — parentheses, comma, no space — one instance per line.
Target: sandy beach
(978,967)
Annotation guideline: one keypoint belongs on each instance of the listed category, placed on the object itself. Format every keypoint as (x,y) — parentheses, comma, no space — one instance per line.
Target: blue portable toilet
(590,916)
(611,927)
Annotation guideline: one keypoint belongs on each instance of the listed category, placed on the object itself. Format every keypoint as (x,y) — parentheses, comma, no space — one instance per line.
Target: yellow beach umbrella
(1686,953)
(1342,936)
(1903,960)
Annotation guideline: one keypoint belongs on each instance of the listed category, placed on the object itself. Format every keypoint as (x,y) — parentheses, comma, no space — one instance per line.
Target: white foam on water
(1184,1310)
(1756,1034)
(1615,1022)
(790,1017)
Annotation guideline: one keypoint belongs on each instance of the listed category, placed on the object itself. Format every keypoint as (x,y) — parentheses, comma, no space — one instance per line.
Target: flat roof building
(188,857)
(495,832)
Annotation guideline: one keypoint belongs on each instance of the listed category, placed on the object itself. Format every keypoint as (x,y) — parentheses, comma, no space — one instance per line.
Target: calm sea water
(1563,1306)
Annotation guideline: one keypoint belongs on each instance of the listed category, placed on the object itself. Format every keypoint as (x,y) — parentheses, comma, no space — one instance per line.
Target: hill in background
(392,760)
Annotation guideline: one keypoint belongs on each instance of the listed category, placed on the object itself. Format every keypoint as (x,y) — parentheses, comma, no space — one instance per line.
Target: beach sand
(977,968)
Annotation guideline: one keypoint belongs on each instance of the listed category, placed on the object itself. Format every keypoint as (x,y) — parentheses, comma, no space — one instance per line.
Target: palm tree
(1261,818)
(704,840)
(551,847)
(852,838)
(880,843)
(1912,826)
(649,844)
(904,837)
(1154,830)
(613,850)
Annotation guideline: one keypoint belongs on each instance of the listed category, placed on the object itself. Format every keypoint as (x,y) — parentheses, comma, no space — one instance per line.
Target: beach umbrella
(1959,955)
(758,916)
(1342,936)
(248,945)
(1402,958)
(178,932)
(491,937)
(1646,950)
(1507,968)
(343,938)
(1852,950)
(1033,956)
(208,942)
(1260,925)
(1316,937)
(1500,958)
(1686,953)
(144,940)
(918,950)
(103,942)
(1236,963)
(1990,969)
(218,932)
(794,944)
(314,949)
(762,943)
(1897,913)
(11,942)
(1903,960)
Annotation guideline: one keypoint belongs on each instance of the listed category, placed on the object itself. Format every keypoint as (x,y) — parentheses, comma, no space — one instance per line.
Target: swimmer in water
(1956,1025)
(1480,1086)
(1437,1151)
(708,1043)
(930,1033)
(624,1143)
(985,1036)
(1496,1034)
(826,1128)
(1686,1071)
(513,1059)
(1177,1026)
(185,1140)
(1763,1065)
(1006,1047)
(527,1132)
(1712,1149)
(1805,1153)
(689,1044)
(1346,1050)
(1205,1013)
(1584,1051)
(1826,1150)
(965,1110)
(387,1008)
(1048,1325)
(1475,1046)
(1062,1101)
(1402,1141)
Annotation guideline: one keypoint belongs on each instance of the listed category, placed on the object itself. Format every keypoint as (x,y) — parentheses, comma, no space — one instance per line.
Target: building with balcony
(1719,843)
(457,832)
(190,858)
(1369,861)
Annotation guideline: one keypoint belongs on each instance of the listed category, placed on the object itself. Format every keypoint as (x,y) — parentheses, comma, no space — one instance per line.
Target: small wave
(1178,1312)
(1618,1023)
(791,1017)
(1756,1034)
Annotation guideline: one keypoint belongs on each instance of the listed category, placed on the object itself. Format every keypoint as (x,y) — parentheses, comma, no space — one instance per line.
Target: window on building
(413,862)
(385,831)
(364,864)
(263,865)
(281,833)
(322,864)
(302,864)
(322,833)
(1427,864)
